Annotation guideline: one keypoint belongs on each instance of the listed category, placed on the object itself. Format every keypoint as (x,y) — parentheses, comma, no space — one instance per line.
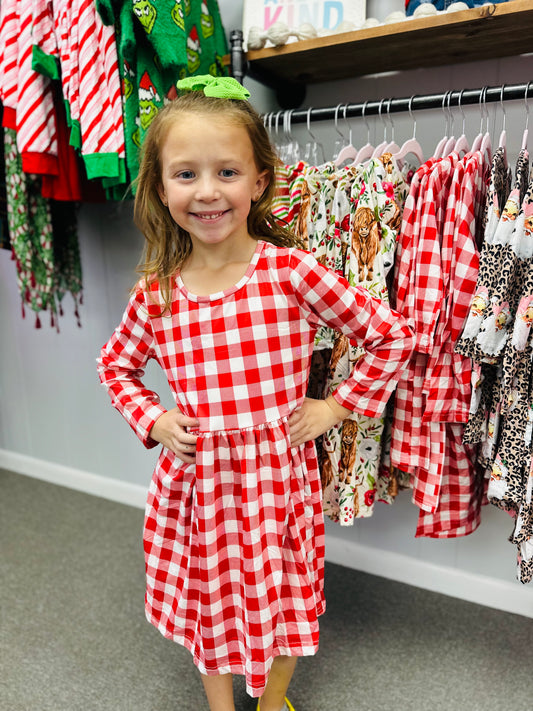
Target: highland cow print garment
(234,544)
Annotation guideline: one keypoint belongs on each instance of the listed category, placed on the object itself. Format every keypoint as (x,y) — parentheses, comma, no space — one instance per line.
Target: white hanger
(525,135)
(366,151)
(378,150)
(411,145)
(462,142)
(439,149)
(311,149)
(349,152)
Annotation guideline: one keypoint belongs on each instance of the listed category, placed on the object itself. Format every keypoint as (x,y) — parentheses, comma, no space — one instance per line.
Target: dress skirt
(234,549)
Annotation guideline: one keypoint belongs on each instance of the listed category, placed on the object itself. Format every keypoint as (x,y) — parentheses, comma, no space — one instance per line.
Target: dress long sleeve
(367,322)
(121,368)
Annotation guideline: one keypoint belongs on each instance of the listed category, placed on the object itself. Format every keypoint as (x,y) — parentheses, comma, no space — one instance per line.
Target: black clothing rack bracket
(444,101)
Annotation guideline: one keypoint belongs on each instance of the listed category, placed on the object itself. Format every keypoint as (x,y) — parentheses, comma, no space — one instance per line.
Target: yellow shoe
(288,706)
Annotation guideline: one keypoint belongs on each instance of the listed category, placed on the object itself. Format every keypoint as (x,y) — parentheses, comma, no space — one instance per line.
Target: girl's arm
(121,368)
(367,322)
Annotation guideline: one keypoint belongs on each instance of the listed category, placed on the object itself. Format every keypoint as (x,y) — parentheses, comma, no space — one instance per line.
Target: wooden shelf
(483,32)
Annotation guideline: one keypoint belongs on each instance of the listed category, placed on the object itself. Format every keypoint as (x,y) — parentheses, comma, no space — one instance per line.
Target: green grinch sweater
(158,44)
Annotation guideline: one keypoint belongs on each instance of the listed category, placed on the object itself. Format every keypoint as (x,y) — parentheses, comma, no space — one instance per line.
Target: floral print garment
(367,210)
(349,218)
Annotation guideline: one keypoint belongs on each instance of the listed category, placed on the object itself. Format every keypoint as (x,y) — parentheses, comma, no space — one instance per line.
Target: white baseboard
(509,596)
(107,488)
(501,595)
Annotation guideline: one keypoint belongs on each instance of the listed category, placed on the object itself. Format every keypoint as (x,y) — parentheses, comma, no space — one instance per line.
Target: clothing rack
(445,100)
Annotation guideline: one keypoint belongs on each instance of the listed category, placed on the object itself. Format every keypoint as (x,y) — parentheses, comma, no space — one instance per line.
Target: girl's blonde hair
(167,245)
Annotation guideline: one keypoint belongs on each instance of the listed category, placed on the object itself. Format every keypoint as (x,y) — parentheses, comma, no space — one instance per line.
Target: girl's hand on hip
(314,418)
(170,429)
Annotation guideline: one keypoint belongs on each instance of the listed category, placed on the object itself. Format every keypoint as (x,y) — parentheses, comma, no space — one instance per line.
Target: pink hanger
(524,137)
(502,143)
(349,152)
(439,149)
(411,145)
(391,147)
(378,150)
(339,144)
(462,142)
(486,147)
(478,140)
(450,143)
(366,151)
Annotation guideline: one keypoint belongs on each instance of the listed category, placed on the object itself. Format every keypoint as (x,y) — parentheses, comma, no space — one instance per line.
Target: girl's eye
(186,175)
(227,173)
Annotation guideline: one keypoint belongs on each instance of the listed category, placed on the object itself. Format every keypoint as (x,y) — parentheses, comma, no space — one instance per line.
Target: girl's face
(209,178)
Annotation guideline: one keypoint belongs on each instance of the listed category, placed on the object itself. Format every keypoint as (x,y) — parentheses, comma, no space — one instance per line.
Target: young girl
(234,534)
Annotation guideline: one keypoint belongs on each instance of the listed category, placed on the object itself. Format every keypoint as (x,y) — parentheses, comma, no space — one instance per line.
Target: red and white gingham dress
(234,544)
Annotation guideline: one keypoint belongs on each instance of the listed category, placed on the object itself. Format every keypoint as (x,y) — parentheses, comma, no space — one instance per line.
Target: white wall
(53,410)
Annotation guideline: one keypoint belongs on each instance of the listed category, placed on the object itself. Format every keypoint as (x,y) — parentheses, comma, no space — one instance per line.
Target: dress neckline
(230,290)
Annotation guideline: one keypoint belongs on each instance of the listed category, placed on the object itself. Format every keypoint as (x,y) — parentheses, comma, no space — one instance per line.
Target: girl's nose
(207,190)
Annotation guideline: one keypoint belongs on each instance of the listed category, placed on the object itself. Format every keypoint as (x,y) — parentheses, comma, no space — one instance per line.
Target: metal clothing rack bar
(445,100)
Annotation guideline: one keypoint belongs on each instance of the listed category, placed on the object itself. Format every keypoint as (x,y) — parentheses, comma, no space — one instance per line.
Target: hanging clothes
(158,44)
(348,218)
(435,274)
(26,94)
(70,43)
(43,240)
(497,336)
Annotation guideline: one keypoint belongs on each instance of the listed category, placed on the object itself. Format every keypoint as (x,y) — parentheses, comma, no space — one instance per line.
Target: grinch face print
(127,80)
(149,101)
(206,22)
(193,50)
(177,15)
(146,14)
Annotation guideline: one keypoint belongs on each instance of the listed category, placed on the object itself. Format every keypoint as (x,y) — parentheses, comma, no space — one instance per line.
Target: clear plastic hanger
(294,150)
(366,151)
(439,149)
(378,150)
(525,135)
(339,142)
(284,148)
(411,145)
(349,152)
(277,143)
(311,147)
(461,145)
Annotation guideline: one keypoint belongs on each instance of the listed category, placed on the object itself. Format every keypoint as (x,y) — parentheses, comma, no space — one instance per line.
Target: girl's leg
(219,691)
(278,682)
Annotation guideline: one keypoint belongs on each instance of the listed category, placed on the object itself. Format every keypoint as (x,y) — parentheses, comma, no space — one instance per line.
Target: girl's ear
(162,195)
(261,184)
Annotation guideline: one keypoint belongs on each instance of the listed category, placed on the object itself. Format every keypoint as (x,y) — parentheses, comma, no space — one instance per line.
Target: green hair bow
(219,87)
